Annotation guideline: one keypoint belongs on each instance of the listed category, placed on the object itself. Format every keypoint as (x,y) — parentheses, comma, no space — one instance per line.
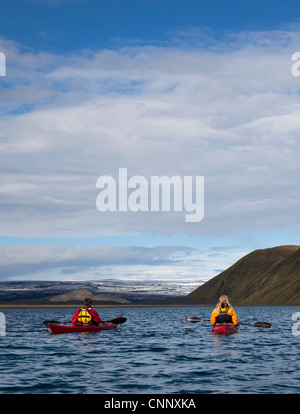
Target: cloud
(32,260)
(165,263)
(229,113)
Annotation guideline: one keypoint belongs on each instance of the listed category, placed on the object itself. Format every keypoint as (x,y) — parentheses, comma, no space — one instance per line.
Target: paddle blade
(193,319)
(46,323)
(118,320)
(262,324)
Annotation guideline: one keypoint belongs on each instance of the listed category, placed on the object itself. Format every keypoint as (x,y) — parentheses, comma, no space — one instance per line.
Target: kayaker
(224,313)
(86,315)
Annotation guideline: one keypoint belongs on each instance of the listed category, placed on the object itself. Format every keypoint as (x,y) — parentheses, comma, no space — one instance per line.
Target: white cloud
(230,114)
(16,261)
(58,262)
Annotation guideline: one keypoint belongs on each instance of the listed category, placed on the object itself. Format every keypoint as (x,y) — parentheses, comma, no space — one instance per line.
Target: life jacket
(223,316)
(84,316)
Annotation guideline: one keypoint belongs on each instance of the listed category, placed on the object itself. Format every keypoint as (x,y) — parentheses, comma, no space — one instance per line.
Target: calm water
(155,351)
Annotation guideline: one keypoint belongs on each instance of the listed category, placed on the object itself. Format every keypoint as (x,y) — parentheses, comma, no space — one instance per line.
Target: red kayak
(59,329)
(224,329)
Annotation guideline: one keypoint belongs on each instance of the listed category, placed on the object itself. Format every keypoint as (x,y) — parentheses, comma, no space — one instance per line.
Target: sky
(160,88)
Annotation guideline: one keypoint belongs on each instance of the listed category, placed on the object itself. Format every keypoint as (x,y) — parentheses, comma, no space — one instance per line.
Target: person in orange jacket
(224,313)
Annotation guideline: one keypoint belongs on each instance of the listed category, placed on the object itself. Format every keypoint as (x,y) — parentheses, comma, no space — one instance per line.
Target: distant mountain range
(264,277)
(102,292)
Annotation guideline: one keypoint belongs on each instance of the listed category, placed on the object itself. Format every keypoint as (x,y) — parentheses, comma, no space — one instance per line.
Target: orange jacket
(231,312)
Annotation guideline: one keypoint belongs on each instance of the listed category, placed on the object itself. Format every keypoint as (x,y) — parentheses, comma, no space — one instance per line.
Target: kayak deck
(224,329)
(59,329)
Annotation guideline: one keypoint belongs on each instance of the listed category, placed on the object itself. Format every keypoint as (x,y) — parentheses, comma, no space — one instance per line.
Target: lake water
(154,352)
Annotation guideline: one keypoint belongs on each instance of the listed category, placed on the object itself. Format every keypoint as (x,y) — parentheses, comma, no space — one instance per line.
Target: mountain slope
(281,284)
(263,277)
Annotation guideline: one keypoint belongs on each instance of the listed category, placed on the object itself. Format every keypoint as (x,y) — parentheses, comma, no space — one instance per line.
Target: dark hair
(88,302)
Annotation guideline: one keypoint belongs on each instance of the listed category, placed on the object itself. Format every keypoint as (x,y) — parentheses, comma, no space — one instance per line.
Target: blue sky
(194,88)
(63,26)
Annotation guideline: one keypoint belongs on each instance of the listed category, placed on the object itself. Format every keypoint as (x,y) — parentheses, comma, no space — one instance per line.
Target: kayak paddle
(116,321)
(194,319)
(54,322)
(258,324)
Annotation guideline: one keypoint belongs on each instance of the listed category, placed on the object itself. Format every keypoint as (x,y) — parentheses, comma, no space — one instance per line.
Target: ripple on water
(156,351)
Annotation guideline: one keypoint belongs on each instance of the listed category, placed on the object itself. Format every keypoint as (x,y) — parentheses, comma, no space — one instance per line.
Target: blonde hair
(224,299)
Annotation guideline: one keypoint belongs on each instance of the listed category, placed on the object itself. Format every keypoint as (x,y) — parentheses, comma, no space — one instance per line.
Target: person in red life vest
(224,313)
(86,315)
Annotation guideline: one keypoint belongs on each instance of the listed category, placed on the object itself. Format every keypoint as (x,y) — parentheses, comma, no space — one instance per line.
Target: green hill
(263,277)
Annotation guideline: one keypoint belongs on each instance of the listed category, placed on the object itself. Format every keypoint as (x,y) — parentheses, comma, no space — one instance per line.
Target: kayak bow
(224,329)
